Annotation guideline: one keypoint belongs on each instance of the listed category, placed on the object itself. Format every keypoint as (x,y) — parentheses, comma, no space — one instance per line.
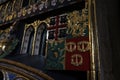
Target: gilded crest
(76,24)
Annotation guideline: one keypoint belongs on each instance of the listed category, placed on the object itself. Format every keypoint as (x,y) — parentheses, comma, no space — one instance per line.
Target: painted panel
(56,55)
(77,55)
(71,29)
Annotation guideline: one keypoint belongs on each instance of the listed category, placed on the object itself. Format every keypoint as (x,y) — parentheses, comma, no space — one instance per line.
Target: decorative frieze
(17,12)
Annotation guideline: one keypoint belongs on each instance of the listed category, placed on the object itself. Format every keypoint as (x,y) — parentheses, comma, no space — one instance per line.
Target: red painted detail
(74,54)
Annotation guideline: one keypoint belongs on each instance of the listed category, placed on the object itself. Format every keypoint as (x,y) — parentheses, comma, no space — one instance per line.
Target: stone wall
(107,20)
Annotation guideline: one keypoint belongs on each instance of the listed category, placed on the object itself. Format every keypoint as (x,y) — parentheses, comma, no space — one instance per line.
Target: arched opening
(30,43)
(40,41)
(28,40)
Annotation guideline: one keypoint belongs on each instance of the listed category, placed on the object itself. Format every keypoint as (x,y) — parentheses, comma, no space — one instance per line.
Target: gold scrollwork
(76,60)
(48,21)
(76,21)
(70,46)
(14,14)
(10,17)
(24,11)
(36,23)
(6,18)
(83,46)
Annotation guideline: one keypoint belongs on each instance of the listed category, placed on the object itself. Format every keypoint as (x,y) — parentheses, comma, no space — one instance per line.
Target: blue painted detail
(11,76)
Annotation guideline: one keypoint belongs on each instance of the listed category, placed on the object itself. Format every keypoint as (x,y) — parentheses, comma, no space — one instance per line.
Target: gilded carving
(36,23)
(10,17)
(76,60)
(83,46)
(70,46)
(14,14)
(77,23)
(24,11)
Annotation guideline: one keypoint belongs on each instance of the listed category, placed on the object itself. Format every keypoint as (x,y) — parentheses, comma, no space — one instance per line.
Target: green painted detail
(55,57)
